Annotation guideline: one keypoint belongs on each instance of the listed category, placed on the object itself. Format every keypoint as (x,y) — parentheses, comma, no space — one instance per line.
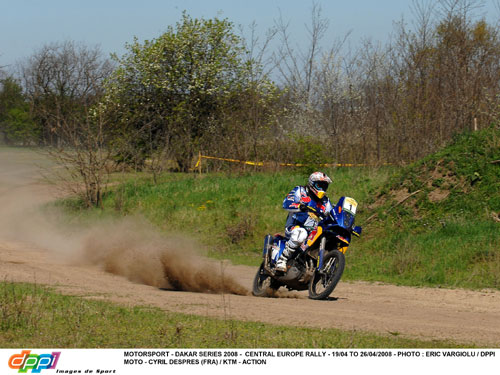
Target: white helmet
(318,183)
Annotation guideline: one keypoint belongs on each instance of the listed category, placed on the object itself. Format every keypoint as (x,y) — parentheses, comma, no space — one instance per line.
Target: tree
(169,93)
(16,123)
(63,82)
(443,75)
(320,89)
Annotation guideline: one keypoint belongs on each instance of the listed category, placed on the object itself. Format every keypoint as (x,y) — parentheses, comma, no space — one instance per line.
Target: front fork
(322,246)
(322,250)
(268,241)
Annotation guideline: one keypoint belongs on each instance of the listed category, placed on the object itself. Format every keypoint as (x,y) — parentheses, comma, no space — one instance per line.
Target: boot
(281,263)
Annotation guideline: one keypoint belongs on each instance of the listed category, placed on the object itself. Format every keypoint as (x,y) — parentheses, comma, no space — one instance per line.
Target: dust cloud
(129,247)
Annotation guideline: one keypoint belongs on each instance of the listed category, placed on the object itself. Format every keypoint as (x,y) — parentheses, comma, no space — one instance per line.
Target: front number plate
(350,205)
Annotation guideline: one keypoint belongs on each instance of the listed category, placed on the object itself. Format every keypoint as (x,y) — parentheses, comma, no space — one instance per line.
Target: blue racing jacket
(292,201)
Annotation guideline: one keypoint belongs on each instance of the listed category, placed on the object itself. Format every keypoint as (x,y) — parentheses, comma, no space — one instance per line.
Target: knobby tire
(333,276)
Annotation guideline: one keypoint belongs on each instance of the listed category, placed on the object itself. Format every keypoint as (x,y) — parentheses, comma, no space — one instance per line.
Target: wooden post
(475,124)
(199,161)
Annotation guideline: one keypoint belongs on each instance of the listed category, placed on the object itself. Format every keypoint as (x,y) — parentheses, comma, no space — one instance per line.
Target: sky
(27,25)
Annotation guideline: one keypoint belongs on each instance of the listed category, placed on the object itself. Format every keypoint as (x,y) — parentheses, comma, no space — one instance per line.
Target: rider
(301,220)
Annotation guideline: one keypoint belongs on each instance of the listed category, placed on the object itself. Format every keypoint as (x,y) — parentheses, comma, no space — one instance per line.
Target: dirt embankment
(130,263)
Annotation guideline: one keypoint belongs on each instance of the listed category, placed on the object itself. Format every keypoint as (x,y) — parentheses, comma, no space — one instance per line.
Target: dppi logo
(34,362)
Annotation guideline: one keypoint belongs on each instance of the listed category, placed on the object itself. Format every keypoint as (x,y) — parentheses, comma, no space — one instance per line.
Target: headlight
(348,219)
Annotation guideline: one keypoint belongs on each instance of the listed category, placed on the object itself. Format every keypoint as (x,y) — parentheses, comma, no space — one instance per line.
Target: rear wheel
(263,283)
(325,280)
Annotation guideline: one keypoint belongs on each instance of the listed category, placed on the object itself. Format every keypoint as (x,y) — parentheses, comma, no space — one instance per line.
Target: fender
(318,233)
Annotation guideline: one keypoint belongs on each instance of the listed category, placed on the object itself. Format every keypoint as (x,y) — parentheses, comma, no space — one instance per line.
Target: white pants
(297,237)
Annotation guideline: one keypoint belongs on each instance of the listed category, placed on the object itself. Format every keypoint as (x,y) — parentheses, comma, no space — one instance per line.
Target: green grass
(446,234)
(230,214)
(466,170)
(457,254)
(452,241)
(35,316)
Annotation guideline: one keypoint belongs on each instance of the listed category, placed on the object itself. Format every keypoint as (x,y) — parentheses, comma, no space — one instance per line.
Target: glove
(302,207)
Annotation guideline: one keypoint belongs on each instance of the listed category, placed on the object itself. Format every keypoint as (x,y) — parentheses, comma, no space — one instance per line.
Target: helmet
(318,183)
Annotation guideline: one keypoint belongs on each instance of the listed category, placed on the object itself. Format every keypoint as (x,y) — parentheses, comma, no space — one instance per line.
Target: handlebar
(305,208)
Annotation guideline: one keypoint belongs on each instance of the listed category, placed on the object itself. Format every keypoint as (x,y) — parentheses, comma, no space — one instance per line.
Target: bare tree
(63,82)
(86,159)
(399,102)
(296,65)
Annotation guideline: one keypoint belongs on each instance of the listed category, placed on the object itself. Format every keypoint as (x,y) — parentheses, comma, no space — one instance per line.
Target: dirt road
(34,248)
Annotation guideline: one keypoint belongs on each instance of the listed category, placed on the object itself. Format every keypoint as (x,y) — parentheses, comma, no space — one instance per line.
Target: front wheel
(263,283)
(325,280)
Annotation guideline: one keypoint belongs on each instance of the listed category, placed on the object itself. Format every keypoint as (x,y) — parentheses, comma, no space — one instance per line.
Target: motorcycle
(319,263)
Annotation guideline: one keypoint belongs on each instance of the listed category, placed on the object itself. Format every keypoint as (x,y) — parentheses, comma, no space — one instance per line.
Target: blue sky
(26,25)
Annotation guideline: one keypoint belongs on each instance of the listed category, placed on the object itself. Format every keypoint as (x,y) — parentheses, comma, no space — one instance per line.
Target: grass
(448,232)
(35,316)
(454,255)
(230,214)
(433,223)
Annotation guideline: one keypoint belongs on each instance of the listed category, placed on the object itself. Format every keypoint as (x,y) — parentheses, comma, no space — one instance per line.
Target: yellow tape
(261,164)
(226,159)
